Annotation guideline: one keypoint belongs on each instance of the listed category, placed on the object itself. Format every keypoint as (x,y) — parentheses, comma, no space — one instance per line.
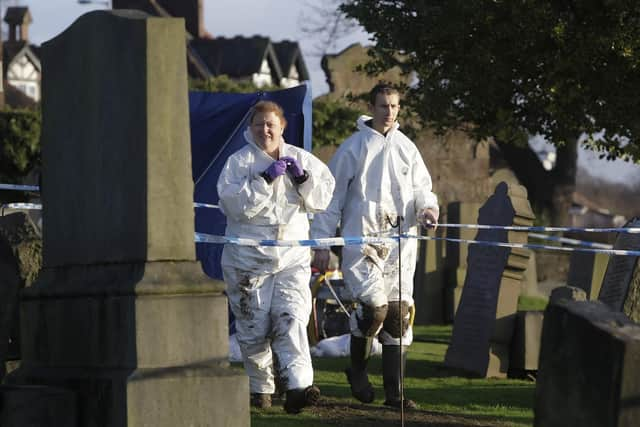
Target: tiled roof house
(21,67)
(256,59)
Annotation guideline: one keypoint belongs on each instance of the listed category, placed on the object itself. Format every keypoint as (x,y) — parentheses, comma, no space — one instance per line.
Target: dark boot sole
(301,398)
(312,395)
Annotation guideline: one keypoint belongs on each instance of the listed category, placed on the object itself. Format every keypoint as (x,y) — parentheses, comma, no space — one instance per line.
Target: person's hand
(293,166)
(277,168)
(321,259)
(428,218)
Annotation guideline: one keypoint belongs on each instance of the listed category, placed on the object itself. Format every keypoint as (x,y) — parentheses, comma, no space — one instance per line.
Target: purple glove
(277,168)
(293,166)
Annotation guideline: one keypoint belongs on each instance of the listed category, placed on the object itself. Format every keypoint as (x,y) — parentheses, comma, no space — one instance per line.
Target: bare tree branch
(326,24)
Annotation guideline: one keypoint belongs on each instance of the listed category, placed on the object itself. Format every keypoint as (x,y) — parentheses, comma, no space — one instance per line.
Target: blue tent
(217,122)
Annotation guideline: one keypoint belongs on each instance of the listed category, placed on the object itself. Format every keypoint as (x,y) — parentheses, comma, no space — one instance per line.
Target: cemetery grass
(445,399)
(532,303)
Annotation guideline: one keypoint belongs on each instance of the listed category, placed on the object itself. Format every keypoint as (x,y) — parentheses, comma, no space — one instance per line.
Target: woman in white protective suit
(381,182)
(266,190)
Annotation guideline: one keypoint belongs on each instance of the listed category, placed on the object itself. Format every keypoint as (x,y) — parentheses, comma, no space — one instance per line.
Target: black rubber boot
(391,376)
(357,376)
(261,400)
(300,397)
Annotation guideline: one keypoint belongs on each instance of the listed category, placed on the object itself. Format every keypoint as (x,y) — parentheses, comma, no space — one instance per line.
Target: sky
(277,19)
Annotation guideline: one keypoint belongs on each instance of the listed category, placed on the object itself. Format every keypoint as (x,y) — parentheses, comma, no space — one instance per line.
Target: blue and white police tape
(39,206)
(532,246)
(629,230)
(24,206)
(569,241)
(320,243)
(19,187)
(205,205)
(347,241)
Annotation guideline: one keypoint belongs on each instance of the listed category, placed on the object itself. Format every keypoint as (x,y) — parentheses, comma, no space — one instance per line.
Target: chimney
(190,10)
(18,19)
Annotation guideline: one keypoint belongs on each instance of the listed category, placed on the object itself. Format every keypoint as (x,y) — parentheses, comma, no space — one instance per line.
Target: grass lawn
(444,399)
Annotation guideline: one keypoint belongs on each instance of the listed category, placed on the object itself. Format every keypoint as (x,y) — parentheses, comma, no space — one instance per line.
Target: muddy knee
(396,311)
(371,319)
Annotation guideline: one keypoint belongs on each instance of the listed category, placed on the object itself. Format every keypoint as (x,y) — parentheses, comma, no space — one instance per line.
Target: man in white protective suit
(266,190)
(381,180)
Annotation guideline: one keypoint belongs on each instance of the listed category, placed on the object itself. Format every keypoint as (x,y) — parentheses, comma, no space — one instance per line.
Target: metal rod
(335,295)
(400,317)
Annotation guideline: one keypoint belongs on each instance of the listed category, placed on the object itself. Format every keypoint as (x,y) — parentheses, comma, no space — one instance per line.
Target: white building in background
(21,65)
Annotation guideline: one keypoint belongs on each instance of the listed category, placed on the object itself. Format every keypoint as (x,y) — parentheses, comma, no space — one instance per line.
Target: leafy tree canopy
(333,121)
(224,83)
(507,69)
(19,142)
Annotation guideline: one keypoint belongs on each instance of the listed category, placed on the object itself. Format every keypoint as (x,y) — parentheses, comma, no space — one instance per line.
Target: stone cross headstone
(621,269)
(122,315)
(484,322)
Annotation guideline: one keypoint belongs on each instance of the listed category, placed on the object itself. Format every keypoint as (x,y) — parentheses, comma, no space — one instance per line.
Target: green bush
(224,83)
(333,121)
(20,143)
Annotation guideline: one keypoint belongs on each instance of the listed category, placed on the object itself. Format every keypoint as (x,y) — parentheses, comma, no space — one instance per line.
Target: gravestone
(586,271)
(20,262)
(484,322)
(588,373)
(621,270)
(456,260)
(571,293)
(39,406)
(525,345)
(428,289)
(122,315)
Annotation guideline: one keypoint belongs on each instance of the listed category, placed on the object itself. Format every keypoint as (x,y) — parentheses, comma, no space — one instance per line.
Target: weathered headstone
(483,325)
(586,271)
(620,273)
(632,303)
(428,289)
(20,262)
(588,373)
(571,293)
(456,260)
(525,345)
(122,314)
(530,279)
(40,406)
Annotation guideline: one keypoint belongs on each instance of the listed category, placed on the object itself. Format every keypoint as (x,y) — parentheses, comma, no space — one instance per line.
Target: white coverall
(378,178)
(268,287)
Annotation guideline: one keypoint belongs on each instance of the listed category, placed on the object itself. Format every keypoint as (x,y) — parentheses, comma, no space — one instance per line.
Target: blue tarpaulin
(217,122)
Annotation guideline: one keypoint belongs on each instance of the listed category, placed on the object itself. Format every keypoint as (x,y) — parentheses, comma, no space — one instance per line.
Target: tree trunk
(550,191)
(564,177)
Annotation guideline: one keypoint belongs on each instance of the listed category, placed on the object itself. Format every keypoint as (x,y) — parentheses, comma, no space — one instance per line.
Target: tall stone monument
(122,316)
(485,319)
